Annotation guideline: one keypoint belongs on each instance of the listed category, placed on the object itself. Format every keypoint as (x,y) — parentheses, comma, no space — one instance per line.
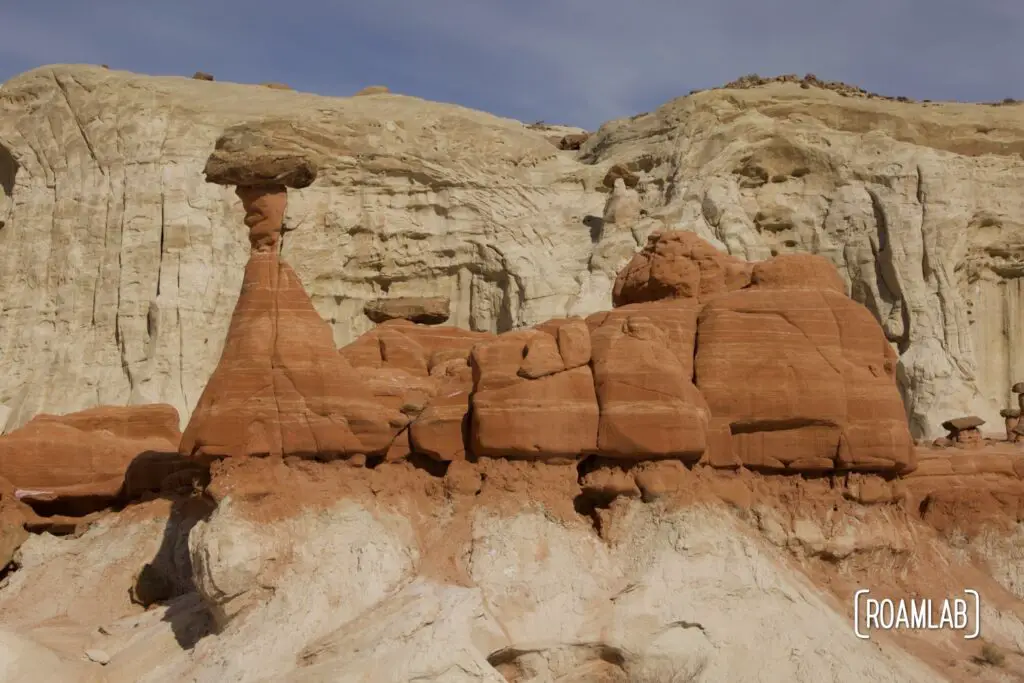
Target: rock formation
(416,309)
(964,432)
(589,498)
(573,141)
(438,200)
(79,460)
(818,375)
(623,207)
(373,90)
(280,387)
(1012,418)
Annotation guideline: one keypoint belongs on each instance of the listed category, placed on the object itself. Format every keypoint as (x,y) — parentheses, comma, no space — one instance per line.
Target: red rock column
(264,215)
(1012,417)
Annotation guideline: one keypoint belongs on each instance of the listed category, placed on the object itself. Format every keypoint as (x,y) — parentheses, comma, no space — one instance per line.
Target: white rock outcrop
(119,266)
(342,594)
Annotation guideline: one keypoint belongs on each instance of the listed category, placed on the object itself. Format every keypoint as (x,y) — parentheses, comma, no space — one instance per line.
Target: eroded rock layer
(280,386)
(917,205)
(765,366)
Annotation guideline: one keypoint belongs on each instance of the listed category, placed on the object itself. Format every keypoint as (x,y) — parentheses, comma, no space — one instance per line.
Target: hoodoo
(688,472)
(280,387)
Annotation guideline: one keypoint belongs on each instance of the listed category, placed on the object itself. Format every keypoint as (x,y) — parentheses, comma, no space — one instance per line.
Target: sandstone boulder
(437,344)
(620,172)
(962,423)
(573,141)
(643,372)
(801,271)
(964,431)
(202,76)
(426,368)
(679,265)
(79,460)
(526,403)
(256,155)
(805,380)
(422,310)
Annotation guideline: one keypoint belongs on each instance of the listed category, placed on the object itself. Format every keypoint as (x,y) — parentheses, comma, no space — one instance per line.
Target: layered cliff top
(917,204)
(443,131)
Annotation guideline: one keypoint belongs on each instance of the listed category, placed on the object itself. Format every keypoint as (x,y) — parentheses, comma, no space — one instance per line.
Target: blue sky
(579,62)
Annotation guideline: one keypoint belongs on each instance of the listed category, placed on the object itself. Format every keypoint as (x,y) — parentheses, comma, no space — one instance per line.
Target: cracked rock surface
(100,180)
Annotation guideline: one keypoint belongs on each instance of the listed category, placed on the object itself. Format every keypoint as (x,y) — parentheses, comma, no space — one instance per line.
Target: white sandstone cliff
(119,266)
(324,572)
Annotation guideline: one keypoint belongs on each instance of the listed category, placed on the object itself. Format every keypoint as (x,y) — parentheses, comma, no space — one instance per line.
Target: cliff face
(119,266)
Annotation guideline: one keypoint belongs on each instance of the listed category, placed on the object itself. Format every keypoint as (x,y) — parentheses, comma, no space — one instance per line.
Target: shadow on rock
(167,578)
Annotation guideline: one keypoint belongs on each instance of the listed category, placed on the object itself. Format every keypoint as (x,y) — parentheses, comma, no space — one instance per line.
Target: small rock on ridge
(422,310)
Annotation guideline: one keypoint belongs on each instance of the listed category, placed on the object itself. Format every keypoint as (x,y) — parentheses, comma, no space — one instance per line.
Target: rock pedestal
(1018,389)
(965,432)
(280,387)
(623,206)
(1012,417)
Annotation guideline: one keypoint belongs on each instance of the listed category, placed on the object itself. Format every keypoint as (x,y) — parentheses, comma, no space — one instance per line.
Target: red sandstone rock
(800,271)
(573,340)
(643,369)
(438,343)
(12,523)
(805,380)
(552,415)
(281,388)
(441,431)
(84,456)
(968,490)
(795,375)
(440,357)
(834,404)
(679,265)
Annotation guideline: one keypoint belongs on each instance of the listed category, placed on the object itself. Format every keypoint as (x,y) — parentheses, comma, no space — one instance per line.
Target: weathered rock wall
(119,266)
(918,206)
